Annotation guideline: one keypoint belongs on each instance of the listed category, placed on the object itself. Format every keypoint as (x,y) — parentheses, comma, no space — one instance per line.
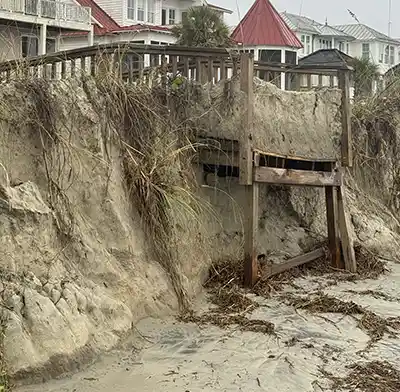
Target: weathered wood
(332,222)
(63,69)
(331,81)
(198,70)
(186,69)
(54,71)
(251,233)
(83,64)
(309,81)
(245,138)
(93,65)
(223,69)
(210,72)
(271,175)
(294,157)
(174,61)
(344,225)
(293,263)
(298,81)
(320,80)
(347,152)
(73,67)
(164,69)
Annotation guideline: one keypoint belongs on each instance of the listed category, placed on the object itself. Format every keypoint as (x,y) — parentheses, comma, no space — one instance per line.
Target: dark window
(164,17)
(30,46)
(184,15)
(270,56)
(290,57)
(50,45)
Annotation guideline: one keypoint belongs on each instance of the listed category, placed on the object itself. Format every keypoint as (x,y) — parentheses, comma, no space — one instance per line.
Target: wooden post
(347,242)
(210,69)
(223,69)
(298,81)
(250,231)
(245,144)
(186,66)
(344,85)
(174,61)
(198,70)
(320,80)
(63,69)
(332,221)
(309,81)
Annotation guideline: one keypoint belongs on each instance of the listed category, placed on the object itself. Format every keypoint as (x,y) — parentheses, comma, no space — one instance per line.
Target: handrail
(123,47)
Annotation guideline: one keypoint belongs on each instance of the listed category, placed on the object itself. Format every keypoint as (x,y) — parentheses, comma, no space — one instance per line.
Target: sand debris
(375,376)
(372,324)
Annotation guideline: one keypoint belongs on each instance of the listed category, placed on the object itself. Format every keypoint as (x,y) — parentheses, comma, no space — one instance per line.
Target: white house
(31,27)
(369,43)
(315,36)
(356,40)
(140,21)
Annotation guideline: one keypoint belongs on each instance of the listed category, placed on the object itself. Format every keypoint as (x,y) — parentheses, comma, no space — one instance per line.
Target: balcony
(52,12)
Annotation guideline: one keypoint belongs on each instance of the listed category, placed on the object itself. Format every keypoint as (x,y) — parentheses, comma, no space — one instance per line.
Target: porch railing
(133,62)
(51,9)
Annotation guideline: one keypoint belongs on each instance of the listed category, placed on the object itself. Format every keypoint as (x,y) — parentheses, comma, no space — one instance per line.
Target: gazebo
(264,33)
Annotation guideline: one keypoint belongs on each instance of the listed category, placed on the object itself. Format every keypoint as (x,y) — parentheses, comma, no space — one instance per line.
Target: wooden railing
(132,62)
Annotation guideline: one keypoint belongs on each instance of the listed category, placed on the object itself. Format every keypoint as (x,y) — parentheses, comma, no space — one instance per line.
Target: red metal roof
(107,25)
(262,25)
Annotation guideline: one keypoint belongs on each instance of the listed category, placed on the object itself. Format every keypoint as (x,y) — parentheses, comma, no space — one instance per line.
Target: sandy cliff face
(76,265)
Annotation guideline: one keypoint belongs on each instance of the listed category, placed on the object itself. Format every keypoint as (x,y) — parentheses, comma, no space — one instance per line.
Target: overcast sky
(374,13)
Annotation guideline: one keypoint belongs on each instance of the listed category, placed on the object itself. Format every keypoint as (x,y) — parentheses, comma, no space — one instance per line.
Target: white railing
(51,9)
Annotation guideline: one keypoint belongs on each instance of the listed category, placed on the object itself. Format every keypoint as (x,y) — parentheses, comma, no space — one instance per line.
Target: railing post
(246,85)
(344,85)
(250,207)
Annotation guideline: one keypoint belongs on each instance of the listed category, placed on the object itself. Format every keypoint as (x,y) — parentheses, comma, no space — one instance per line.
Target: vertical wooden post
(344,85)
(186,66)
(245,153)
(320,80)
(250,234)
(223,69)
(309,81)
(246,171)
(332,221)
(210,69)
(198,70)
(298,77)
(174,61)
(347,242)
(63,69)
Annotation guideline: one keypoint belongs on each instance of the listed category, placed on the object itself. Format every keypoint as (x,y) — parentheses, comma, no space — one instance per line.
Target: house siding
(115,8)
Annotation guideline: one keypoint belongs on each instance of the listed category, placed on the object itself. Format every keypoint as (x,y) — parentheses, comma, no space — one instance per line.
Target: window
(365,51)
(290,57)
(171,15)
(306,41)
(131,9)
(184,15)
(140,10)
(391,59)
(387,54)
(30,46)
(347,48)
(150,11)
(50,45)
(163,17)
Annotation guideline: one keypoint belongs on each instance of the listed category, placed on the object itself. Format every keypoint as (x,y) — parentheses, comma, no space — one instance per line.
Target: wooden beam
(245,138)
(347,152)
(332,222)
(346,240)
(250,234)
(271,175)
(293,263)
